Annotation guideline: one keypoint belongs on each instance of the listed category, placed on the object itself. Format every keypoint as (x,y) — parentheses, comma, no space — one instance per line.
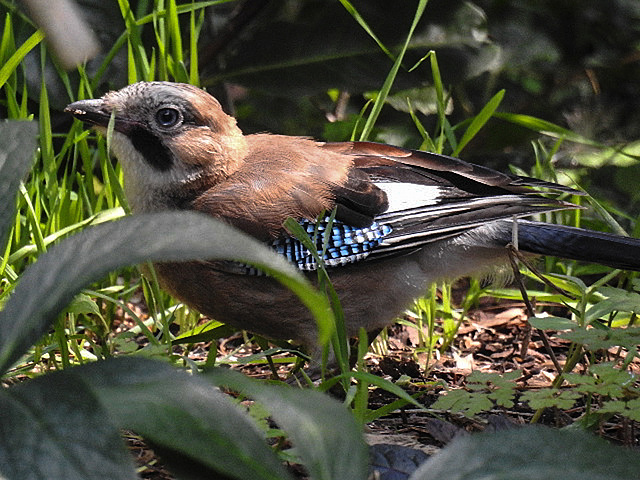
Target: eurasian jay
(403,218)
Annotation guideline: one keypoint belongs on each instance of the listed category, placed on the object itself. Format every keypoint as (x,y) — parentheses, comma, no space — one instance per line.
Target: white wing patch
(405,196)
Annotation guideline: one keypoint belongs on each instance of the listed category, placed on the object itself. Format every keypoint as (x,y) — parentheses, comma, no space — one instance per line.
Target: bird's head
(167,137)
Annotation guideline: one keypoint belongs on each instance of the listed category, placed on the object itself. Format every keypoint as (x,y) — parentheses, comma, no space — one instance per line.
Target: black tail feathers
(579,244)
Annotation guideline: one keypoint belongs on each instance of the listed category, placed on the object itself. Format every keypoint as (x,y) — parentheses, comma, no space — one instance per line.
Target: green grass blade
(440,101)
(159,12)
(427,142)
(378,382)
(174,32)
(46,139)
(194,33)
(7,43)
(386,87)
(108,59)
(34,220)
(478,121)
(96,219)
(547,128)
(161,39)
(132,73)
(15,59)
(361,21)
(135,61)
(325,330)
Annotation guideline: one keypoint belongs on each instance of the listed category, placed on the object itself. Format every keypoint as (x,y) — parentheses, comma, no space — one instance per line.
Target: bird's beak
(93,111)
(98,113)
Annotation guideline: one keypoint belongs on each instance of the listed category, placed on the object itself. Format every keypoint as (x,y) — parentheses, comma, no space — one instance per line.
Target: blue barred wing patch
(345,244)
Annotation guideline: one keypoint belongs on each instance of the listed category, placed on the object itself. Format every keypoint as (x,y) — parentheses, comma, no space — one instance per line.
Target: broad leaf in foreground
(17,144)
(47,286)
(54,427)
(531,453)
(182,414)
(324,433)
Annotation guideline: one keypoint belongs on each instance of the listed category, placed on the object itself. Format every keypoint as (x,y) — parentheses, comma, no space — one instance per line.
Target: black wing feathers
(359,200)
(464,195)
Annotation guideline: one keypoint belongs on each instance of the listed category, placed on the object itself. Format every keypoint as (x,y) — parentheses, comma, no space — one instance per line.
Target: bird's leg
(514,254)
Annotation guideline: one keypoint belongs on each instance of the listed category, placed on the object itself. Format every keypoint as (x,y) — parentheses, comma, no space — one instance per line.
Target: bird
(387,221)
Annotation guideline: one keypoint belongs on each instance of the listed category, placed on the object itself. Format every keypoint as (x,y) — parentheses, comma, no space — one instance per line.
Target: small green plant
(607,387)
(484,391)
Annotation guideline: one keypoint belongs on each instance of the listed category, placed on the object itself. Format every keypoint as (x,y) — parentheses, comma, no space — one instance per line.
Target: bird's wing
(394,201)
(431,196)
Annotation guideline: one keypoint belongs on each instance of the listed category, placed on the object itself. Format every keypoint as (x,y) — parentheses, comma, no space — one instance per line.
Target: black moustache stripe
(151,148)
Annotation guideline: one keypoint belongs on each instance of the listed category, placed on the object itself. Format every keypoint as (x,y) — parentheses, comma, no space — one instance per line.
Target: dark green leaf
(532,453)
(17,145)
(54,427)
(183,414)
(630,409)
(325,435)
(491,378)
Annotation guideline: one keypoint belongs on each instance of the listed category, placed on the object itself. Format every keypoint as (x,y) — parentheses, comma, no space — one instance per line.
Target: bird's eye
(168,117)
